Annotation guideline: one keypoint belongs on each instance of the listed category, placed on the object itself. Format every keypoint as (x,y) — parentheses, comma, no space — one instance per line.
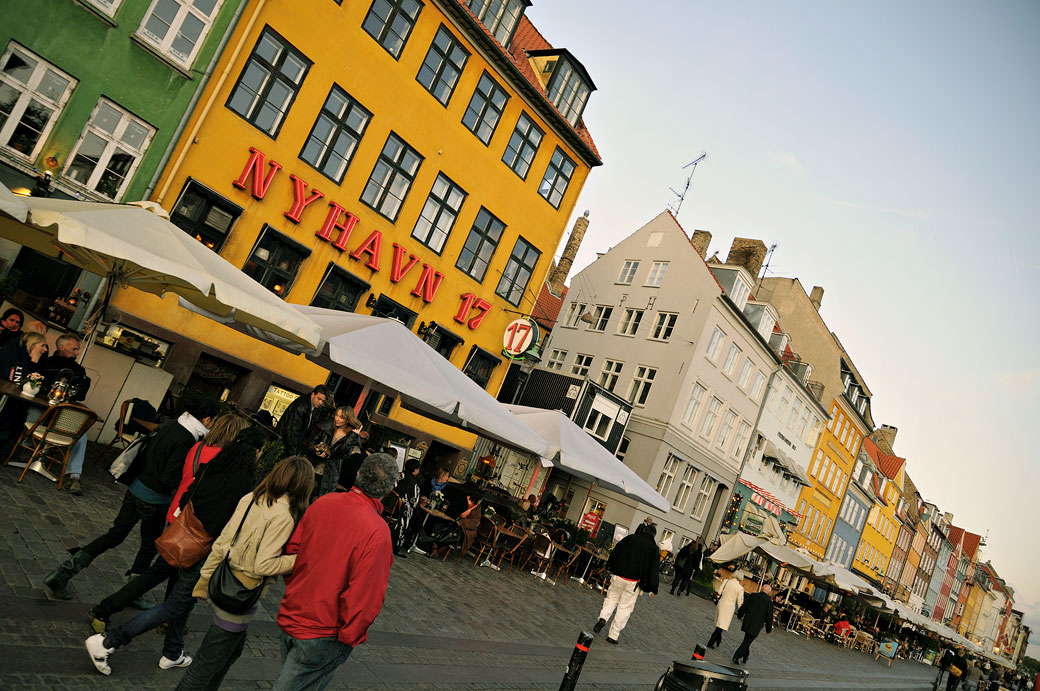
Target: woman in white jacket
(256,555)
(731,596)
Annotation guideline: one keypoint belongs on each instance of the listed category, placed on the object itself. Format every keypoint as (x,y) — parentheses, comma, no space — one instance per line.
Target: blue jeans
(217,652)
(310,663)
(173,610)
(76,454)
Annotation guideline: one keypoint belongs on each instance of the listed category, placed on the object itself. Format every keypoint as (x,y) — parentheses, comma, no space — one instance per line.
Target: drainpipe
(204,113)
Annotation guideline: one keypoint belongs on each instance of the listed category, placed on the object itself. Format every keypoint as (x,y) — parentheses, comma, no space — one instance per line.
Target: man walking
(757,611)
(337,587)
(634,564)
(299,417)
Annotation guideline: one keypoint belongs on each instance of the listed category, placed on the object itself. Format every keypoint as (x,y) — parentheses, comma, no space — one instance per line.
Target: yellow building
(405,159)
(878,539)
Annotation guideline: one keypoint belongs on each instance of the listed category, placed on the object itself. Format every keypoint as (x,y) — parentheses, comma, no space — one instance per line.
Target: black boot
(58,579)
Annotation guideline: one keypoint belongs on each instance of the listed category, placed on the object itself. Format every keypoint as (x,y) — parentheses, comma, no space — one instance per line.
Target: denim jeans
(76,454)
(153,520)
(310,663)
(173,610)
(217,652)
(158,572)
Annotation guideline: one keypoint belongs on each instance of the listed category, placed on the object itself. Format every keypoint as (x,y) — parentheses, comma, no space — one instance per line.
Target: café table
(515,537)
(9,390)
(594,555)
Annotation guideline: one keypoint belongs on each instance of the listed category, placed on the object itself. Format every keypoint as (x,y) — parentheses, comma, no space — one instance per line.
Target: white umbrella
(135,245)
(574,451)
(12,205)
(735,546)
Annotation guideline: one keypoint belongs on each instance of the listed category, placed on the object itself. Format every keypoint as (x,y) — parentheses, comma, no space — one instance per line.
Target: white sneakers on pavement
(167,663)
(99,653)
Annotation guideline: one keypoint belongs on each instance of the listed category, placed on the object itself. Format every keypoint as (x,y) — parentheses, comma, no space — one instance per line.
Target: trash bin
(696,675)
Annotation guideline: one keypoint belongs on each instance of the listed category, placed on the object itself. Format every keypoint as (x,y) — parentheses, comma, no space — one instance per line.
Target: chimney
(570,251)
(886,435)
(700,241)
(747,253)
(816,297)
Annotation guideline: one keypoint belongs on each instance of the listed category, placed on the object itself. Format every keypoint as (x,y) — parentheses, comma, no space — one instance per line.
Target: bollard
(581,649)
(698,652)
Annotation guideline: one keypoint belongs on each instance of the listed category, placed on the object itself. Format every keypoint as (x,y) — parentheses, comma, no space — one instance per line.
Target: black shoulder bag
(225,590)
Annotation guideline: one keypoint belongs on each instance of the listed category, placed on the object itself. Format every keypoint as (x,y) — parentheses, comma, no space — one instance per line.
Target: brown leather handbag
(185,541)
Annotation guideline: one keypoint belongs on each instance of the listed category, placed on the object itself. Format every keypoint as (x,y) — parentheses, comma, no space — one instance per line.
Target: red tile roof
(889,464)
(547,307)
(971,544)
(956,535)
(871,448)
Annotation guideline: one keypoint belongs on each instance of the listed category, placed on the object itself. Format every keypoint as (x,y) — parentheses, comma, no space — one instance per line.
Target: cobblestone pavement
(444,625)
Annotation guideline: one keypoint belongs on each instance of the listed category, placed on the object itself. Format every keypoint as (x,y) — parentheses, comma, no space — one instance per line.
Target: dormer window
(501,17)
(568,91)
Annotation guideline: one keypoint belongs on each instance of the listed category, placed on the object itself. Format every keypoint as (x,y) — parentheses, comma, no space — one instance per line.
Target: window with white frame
(574,313)
(32,95)
(568,90)
(728,421)
(730,363)
(177,28)
(600,317)
(622,449)
(556,358)
(715,344)
(499,16)
(740,292)
(667,477)
(629,323)
(656,276)
(743,432)
(641,383)
(756,387)
(685,489)
(710,416)
(693,405)
(107,7)
(792,415)
(109,150)
(664,326)
(803,428)
(598,424)
(582,363)
(745,374)
(785,402)
(608,376)
(628,272)
(700,504)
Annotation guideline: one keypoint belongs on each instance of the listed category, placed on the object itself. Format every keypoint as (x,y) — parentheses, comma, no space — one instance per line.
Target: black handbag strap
(195,461)
(198,480)
(241,523)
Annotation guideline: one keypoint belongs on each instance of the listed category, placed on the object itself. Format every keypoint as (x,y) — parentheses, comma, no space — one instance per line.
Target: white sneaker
(167,663)
(416,550)
(99,653)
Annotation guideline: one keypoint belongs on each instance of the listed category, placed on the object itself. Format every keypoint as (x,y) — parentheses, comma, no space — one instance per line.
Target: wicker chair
(50,438)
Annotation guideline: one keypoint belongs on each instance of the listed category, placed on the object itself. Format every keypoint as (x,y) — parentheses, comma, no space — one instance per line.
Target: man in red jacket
(337,587)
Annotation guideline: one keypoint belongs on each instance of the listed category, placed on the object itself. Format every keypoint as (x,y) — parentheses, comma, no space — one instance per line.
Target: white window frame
(556,359)
(743,434)
(580,363)
(108,9)
(113,142)
(595,417)
(711,416)
(600,318)
(785,403)
(714,344)
(693,404)
(792,414)
(655,278)
(757,386)
(629,323)
(745,374)
(664,326)
(642,381)
(728,421)
(703,496)
(28,93)
(628,272)
(164,45)
(732,356)
(740,292)
(574,313)
(685,489)
(609,373)
(667,476)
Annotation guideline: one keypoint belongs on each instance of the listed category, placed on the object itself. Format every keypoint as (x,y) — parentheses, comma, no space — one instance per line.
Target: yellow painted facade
(216,148)
(830,470)
(878,538)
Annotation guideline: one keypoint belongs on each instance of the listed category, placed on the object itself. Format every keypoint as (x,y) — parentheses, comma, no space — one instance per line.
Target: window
(485,108)
(622,449)
(177,28)
(608,376)
(107,7)
(443,65)
(703,495)
(556,358)
(715,344)
(568,91)
(480,365)
(499,16)
(32,95)
(390,21)
(339,290)
(522,147)
(664,326)
(598,424)
(743,432)
(275,260)
(574,313)
(628,272)
(204,214)
(685,488)
(106,156)
(641,383)
(710,417)
(629,323)
(730,363)
(792,415)
(600,318)
(728,421)
(740,292)
(442,340)
(557,176)
(480,245)
(693,405)
(269,83)
(756,388)
(656,275)
(582,363)
(439,213)
(664,482)
(391,177)
(785,402)
(335,135)
(518,271)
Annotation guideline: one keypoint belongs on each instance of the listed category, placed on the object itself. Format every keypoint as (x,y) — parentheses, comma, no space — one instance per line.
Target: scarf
(188,422)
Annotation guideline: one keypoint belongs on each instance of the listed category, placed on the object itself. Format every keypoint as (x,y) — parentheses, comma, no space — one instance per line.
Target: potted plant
(33,384)
(701,586)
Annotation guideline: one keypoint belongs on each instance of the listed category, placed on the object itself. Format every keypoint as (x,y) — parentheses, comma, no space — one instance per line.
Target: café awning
(786,463)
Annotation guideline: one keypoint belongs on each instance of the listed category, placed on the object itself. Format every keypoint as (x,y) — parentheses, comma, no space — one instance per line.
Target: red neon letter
(484,307)
(255,167)
(332,221)
(397,271)
(467,302)
(299,202)
(370,247)
(429,282)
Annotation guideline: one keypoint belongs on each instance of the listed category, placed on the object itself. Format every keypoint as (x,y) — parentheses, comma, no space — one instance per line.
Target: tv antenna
(765,266)
(692,165)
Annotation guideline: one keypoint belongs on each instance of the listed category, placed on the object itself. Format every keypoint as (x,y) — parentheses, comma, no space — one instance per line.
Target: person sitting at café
(467,520)
(11,325)
(16,364)
(61,364)
(842,627)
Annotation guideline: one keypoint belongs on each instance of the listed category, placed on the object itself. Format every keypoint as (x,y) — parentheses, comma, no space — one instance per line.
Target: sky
(890,151)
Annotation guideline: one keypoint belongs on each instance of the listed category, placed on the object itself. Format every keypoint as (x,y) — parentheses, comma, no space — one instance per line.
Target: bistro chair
(563,562)
(50,438)
(541,552)
(805,625)
(487,536)
(515,553)
(392,505)
(122,437)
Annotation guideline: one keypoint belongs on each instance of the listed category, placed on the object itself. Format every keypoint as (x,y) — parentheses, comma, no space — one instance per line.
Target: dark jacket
(756,612)
(322,433)
(295,424)
(636,558)
(14,354)
(215,494)
(688,560)
(164,459)
(52,367)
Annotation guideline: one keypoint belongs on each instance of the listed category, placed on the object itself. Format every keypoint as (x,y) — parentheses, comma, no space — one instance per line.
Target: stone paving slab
(444,625)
